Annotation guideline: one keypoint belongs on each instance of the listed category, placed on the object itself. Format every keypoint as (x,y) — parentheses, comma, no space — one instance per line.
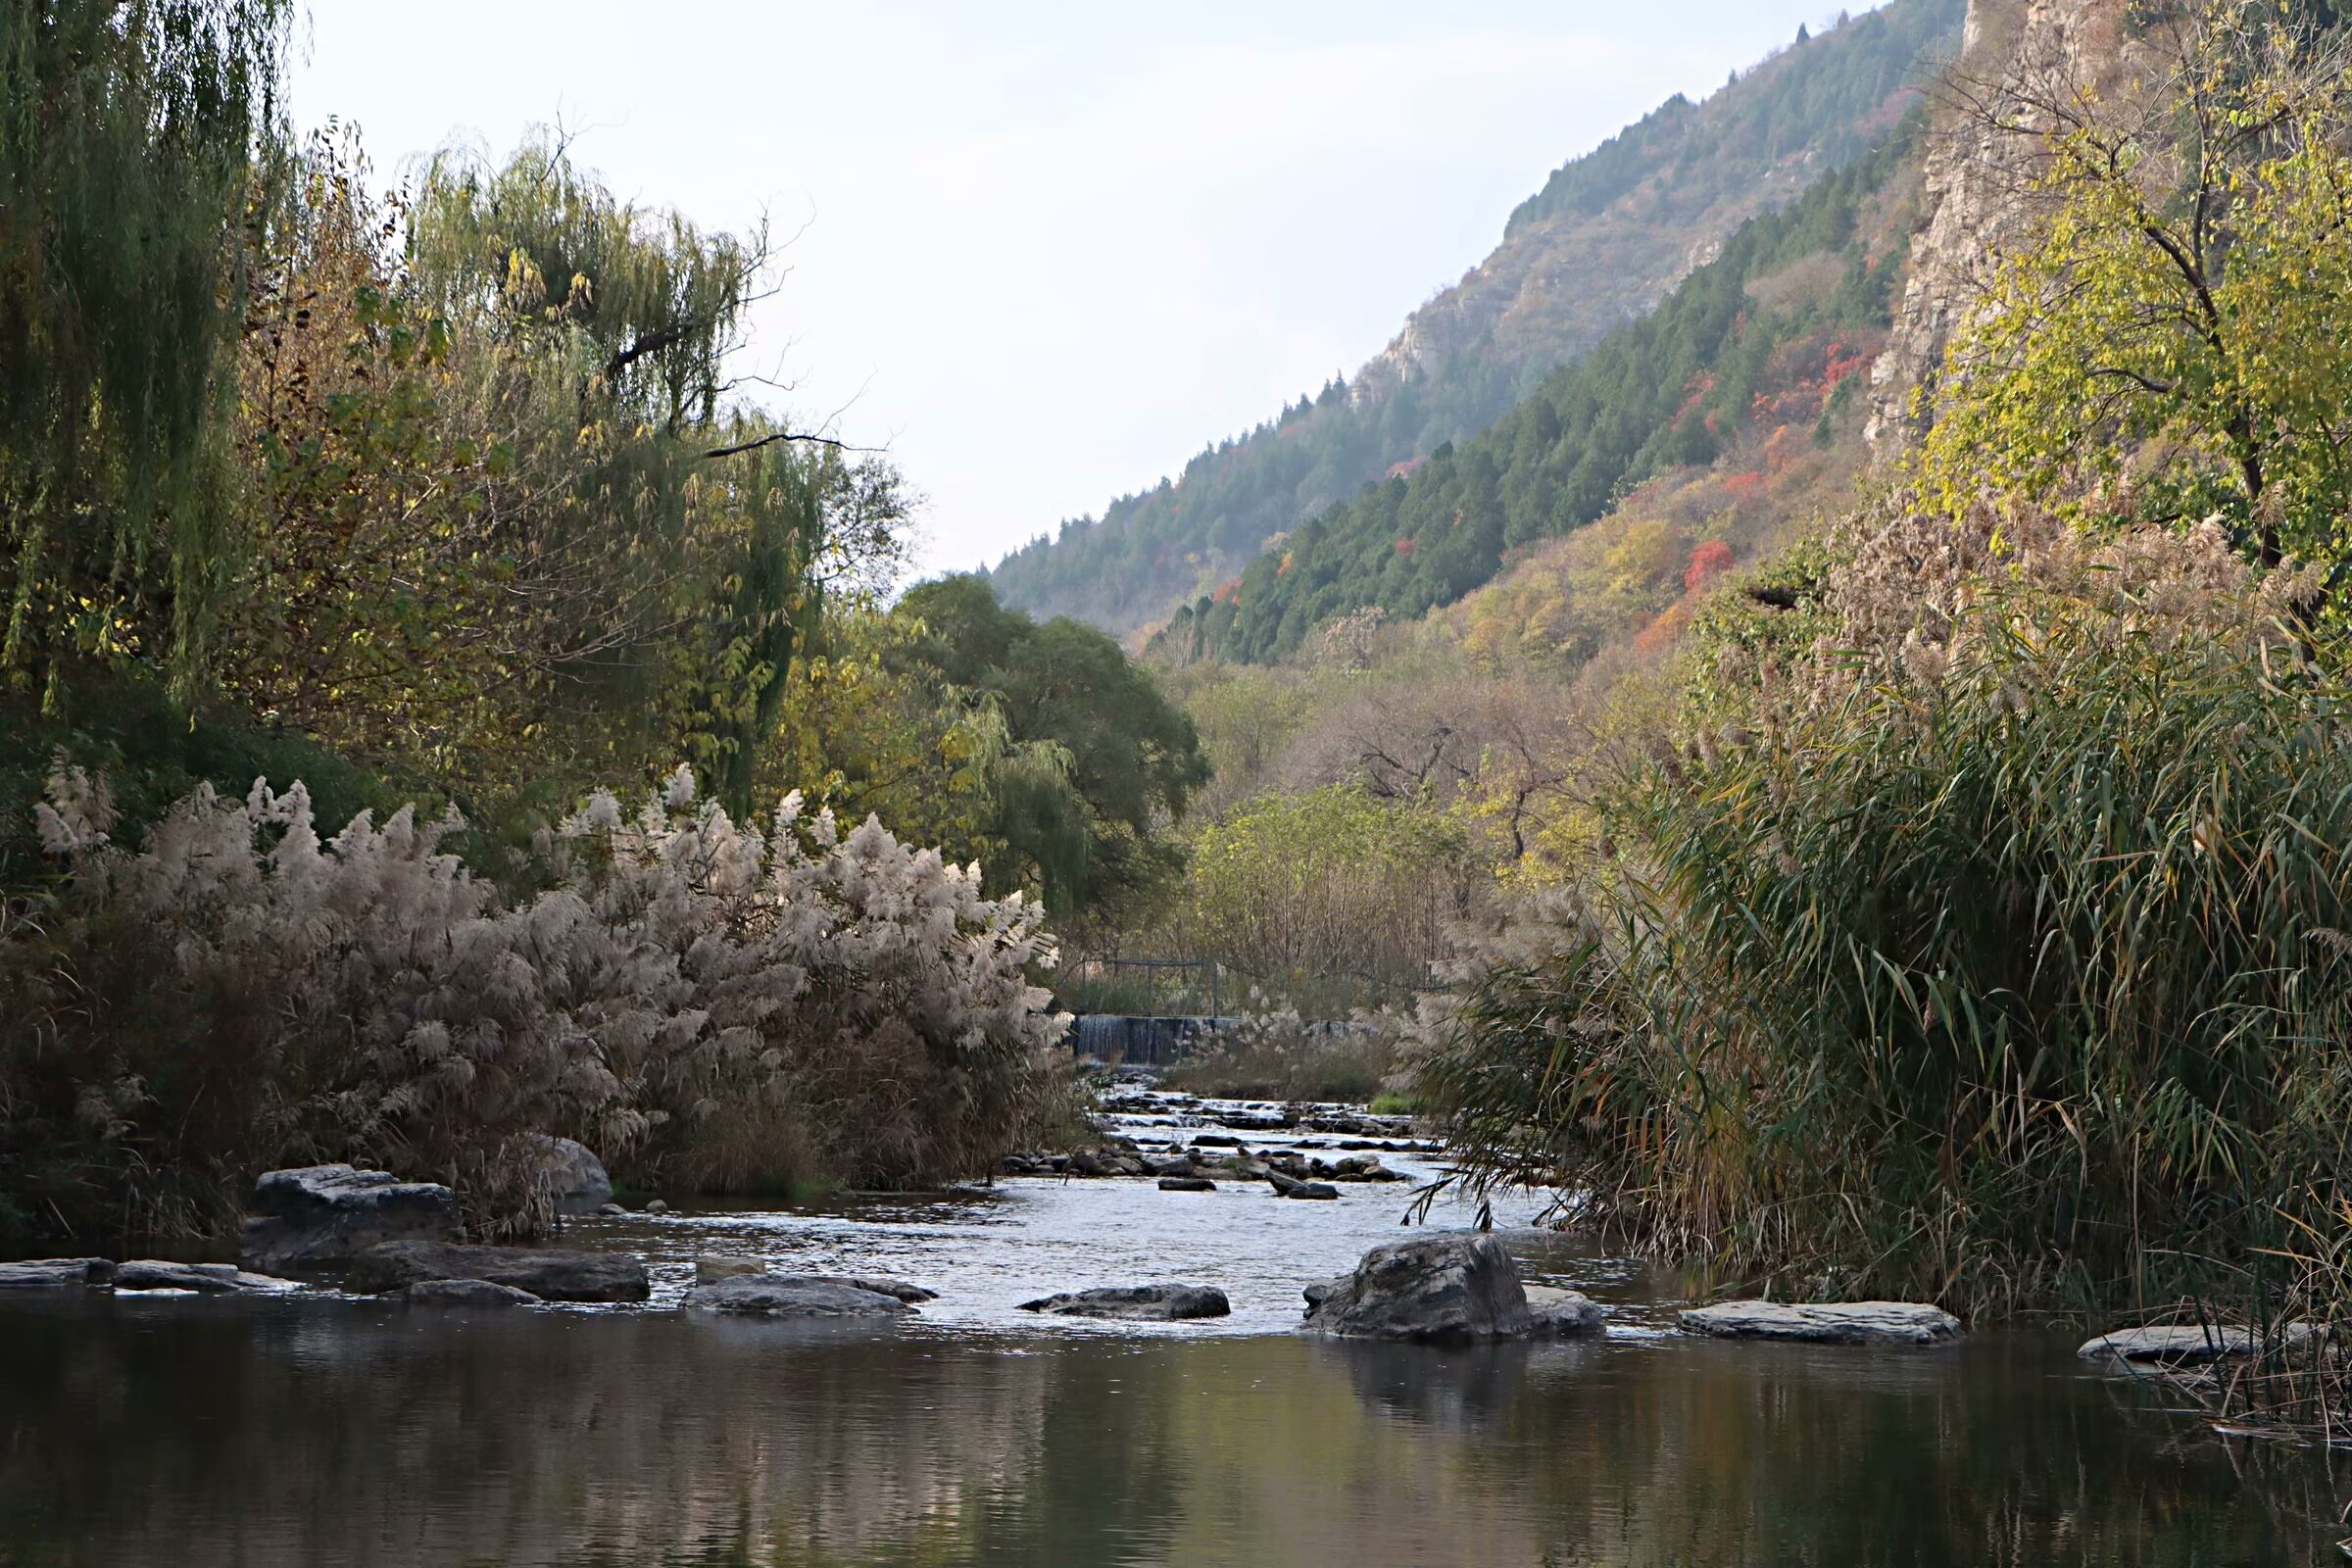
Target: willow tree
(2167,340)
(128,135)
(677,544)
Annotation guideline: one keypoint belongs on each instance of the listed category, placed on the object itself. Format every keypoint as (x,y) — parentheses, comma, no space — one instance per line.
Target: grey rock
(1323,1290)
(1817,1323)
(1187,1184)
(546,1272)
(656,1207)
(611,1208)
(1179,1167)
(2190,1343)
(1558,1313)
(323,1216)
(1311,1191)
(208,1279)
(1443,1288)
(1157,1303)
(1216,1141)
(781,1295)
(466,1292)
(574,1177)
(57,1274)
(710,1270)
(879,1285)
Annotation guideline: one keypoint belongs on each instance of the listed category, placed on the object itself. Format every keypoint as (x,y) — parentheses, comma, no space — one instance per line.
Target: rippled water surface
(332,1430)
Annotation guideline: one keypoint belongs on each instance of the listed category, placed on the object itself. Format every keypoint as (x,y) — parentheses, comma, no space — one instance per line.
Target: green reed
(2023,984)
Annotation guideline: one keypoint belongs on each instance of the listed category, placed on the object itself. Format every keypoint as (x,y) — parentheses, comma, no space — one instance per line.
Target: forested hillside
(1795,300)
(1609,234)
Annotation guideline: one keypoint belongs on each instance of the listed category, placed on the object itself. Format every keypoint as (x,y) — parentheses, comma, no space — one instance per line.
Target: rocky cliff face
(1684,180)
(1554,288)
(1978,195)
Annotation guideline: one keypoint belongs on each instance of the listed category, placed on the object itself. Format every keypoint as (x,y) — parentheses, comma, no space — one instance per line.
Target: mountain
(1750,360)
(1600,245)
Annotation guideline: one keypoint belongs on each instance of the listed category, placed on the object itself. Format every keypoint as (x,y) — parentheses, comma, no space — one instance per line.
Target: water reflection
(204,1433)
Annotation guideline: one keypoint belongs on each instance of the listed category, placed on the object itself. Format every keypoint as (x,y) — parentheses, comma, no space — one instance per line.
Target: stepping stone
(1817,1323)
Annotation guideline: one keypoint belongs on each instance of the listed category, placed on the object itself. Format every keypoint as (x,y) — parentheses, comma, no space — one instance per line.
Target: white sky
(1051,249)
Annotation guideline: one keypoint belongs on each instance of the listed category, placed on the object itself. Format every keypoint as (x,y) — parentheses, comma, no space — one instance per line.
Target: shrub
(702,1003)
(1999,954)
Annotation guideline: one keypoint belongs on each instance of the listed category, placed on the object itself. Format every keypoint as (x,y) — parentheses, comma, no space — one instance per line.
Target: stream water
(330,1430)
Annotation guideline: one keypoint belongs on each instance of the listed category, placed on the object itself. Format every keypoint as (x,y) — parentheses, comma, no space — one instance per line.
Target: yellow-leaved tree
(2167,343)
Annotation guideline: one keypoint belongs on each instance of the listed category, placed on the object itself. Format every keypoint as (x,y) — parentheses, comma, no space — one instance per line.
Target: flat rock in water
(1834,1323)
(1153,1303)
(2189,1343)
(208,1279)
(1311,1191)
(546,1272)
(1557,1313)
(1187,1184)
(464,1293)
(321,1216)
(710,1270)
(782,1296)
(911,1295)
(1443,1288)
(57,1274)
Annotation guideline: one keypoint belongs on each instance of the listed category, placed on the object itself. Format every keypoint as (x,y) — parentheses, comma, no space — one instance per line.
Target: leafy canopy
(2167,339)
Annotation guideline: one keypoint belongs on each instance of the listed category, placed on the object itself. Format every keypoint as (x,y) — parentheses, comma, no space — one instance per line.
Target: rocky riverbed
(1109,1372)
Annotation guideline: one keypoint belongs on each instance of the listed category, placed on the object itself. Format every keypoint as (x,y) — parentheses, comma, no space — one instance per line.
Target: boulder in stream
(466,1292)
(574,1177)
(58,1274)
(1153,1303)
(1557,1313)
(1825,1323)
(1291,1187)
(1187,1184)
(549,1273)
(785,1295)
(1439,1288)
(323,1216)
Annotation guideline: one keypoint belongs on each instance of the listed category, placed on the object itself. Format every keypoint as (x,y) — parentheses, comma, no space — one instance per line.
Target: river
(331,1430)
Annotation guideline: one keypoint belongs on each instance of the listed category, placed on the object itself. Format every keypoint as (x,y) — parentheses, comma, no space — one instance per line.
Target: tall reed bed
(1994,949)
(710,1004)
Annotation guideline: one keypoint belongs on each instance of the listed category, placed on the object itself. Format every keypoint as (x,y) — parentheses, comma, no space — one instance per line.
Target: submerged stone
(1187,1184)
(466,1292)
(1831,1323)
(783,1296)
(2190,1343)
(1156,1304)
(546,1272)
(57,1274)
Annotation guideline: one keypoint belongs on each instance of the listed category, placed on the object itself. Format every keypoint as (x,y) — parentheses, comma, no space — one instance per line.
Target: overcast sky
(1047,251)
